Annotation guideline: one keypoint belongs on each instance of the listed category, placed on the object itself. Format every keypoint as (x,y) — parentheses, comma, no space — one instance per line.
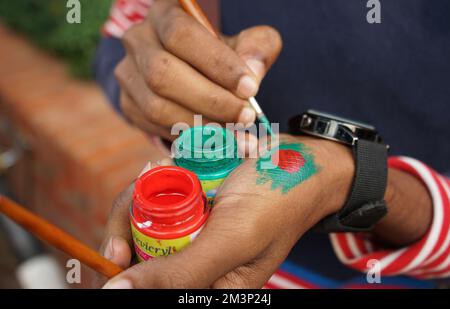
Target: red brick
(81,153)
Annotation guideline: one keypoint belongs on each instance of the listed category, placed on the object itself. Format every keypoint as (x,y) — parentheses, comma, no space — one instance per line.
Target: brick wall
(77,154)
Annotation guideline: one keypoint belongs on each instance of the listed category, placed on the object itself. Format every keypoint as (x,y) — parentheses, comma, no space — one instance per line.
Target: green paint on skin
(266,124)
(286,166)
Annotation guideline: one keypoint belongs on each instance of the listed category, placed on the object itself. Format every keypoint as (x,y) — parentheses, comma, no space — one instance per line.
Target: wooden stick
(192,8)
(58,238)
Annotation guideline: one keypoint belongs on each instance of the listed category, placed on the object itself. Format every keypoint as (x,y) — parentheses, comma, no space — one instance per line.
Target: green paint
(208,151)
(266,124)
(286,166)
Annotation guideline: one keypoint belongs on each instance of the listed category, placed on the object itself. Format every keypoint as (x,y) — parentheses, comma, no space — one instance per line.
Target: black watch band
(365,204)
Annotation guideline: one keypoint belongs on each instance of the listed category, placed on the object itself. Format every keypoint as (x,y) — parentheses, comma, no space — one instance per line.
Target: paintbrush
(192,8)
(58,238)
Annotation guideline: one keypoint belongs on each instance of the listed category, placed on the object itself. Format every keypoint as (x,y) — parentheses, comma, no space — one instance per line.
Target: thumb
(259,47)
(118,251)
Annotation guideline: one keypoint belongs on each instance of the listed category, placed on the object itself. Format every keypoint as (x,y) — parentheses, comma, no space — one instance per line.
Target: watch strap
(365,204)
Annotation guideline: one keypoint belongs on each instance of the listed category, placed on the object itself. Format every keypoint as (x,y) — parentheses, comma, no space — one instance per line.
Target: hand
(174,68)
(257,218)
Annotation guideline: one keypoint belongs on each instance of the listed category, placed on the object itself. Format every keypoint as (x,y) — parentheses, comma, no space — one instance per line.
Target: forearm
(409,210)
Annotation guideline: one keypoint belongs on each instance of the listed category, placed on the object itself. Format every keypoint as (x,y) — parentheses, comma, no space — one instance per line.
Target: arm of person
(414,237)
(404,225)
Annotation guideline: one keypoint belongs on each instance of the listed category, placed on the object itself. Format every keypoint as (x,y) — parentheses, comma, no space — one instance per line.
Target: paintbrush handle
(58,238)
(192,8)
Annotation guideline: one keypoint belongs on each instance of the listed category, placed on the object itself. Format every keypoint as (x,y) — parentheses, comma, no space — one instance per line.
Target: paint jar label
(147,247)
(210,187)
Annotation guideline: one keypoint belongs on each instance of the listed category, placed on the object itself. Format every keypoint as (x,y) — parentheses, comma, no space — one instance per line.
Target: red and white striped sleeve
(428,258)
(124,14)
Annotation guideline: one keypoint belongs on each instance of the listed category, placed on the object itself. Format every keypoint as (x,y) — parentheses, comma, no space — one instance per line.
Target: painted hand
(174,68)
(258,217)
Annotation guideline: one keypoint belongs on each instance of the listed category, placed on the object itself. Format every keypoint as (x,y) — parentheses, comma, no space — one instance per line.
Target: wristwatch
(365,204)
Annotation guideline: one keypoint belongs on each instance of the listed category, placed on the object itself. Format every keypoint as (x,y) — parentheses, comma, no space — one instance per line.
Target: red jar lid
(168,203)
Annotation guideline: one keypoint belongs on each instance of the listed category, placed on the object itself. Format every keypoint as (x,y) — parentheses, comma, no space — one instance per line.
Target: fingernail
(252,146)
(247,116)
(257,66)
(120,284)
(248,145)
(109,250)
(147,167)
(166,162)
(247,87)
(242,147)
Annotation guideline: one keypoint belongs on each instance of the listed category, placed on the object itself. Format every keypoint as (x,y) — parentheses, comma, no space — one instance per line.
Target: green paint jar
(210,152)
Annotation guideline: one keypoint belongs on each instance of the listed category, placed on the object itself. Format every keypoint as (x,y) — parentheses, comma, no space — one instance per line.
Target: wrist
(410,210)
(330,189)
(339,170)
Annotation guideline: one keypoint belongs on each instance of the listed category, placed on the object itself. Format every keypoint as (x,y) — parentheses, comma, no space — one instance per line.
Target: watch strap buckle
(360,220)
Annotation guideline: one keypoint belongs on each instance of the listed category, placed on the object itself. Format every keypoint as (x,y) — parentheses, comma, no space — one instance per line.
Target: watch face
(335,128)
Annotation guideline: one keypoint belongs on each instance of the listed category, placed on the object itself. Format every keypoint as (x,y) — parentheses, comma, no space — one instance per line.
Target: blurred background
(64,153)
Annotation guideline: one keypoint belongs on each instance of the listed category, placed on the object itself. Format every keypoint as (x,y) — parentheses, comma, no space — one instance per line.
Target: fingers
(247,144)
(182,73)
(175,68)
(175,80)
(154,108)
(117,250)
(188,40)
(252,276)
(117,240)
(255,274)
(259,46)
(165,162)
(136,117)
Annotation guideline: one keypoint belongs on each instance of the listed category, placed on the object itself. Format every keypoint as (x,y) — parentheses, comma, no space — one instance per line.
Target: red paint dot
(289,160)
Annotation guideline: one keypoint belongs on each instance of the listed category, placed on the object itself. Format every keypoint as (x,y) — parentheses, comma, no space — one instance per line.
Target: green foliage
(44,22)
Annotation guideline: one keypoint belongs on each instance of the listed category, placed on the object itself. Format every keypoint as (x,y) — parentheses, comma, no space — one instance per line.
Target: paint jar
(168,211)
(210,152)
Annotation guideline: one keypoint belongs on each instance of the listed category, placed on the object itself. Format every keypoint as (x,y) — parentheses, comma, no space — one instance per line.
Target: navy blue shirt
(394,75)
